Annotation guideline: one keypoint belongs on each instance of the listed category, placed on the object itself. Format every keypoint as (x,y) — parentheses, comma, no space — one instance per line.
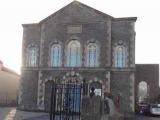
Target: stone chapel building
(79,43)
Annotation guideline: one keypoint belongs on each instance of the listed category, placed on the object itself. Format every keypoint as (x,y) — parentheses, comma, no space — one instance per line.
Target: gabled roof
(76,4)
(82,8)
(9,71)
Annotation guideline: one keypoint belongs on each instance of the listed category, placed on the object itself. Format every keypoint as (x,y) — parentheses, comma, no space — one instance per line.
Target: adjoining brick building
(82,44)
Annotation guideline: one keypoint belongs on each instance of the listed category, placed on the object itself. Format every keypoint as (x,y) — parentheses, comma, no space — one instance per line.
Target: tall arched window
(74,54)
(32,56)
(120,57)
(143,91)
(92,55)
(55,55)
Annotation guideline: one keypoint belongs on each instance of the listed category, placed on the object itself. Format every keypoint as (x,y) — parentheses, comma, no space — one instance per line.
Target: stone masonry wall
(123,32)
(120,86)
(29,85)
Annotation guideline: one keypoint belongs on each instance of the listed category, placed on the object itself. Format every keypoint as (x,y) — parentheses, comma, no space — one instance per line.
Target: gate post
(51,109)
(53,102)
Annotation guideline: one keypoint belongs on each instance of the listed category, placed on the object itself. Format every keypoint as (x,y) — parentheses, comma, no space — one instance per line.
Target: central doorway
(65,101)
(72,98)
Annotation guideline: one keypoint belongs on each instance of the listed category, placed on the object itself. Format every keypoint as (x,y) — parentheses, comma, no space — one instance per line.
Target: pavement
(9,113)
(44,117)
(137,117)
(143,117)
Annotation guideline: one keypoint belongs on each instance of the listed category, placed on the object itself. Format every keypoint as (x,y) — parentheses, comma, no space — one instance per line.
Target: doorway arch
(143,92)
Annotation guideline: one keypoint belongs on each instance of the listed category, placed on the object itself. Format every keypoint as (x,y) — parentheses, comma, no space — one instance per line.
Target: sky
(14,13)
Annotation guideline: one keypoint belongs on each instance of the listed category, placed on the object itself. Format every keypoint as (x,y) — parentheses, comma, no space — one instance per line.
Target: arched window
(120,57)
(143,91)
(55,55)
(32,55)
(92,55)
(74,54)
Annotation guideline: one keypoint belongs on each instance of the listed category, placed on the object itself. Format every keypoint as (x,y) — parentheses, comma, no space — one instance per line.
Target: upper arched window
(92,55)
(120,57)
(32,56)
(74,54)
(55,55)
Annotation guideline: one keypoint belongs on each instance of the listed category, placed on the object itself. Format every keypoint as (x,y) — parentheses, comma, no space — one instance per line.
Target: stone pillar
(41,83)
(20,92)
(42,47)
(40,94)
(108,44)
(132,91)
(91,108)
(107,83)
(132,46)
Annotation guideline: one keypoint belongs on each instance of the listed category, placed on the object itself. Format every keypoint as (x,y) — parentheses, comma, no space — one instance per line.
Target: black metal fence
(65,102)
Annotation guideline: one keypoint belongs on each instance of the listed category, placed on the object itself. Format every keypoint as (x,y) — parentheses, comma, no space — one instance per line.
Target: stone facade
(85,24)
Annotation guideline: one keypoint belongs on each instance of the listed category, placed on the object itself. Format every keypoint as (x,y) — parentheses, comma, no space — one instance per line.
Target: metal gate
(65,102)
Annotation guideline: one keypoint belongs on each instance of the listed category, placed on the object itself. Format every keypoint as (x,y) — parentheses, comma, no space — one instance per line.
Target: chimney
(1,65)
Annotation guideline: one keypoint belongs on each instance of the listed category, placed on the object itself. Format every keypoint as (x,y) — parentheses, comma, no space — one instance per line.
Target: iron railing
(65,102)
